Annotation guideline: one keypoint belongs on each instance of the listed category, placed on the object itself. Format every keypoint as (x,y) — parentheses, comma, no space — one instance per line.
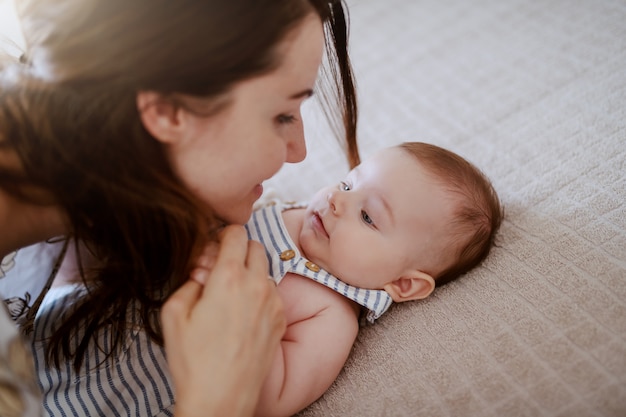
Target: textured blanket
(534,93)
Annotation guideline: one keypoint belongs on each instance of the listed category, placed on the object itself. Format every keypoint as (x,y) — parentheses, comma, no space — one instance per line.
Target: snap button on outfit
(287,255)
(311,266)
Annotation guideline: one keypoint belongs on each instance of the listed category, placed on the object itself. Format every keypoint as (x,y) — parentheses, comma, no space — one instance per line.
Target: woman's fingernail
(199,275)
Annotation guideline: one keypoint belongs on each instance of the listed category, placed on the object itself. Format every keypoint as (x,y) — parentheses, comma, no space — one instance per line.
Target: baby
(406,220)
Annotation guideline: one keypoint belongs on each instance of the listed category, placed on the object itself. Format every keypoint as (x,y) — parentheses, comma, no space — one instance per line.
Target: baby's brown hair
(477,215)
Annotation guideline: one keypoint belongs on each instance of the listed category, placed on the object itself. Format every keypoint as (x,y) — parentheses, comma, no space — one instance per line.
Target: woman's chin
(237,215)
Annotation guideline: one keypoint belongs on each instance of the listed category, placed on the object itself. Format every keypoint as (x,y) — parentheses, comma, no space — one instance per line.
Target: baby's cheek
(350,266)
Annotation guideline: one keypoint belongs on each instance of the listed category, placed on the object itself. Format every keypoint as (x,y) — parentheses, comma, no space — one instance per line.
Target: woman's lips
(318,225)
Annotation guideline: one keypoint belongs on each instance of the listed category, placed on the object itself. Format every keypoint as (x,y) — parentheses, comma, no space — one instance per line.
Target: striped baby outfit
(266,226)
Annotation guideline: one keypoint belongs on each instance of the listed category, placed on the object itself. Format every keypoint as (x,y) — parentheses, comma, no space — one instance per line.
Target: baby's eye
(344,186)
(285,119)
(366,218)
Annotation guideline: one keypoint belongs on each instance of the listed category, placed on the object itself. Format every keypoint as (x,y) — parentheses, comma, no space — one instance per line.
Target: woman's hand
(221,338)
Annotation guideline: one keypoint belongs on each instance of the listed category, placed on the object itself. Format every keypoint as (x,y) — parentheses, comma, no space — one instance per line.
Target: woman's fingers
(256,259)
(178,306)
(199,275)
(205,263)
(221,338)
(233,247)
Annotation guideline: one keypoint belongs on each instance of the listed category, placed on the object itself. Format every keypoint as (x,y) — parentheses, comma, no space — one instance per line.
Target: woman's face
(224,158)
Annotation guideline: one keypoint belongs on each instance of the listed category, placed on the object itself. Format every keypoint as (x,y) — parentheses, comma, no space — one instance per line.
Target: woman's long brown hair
(68,112)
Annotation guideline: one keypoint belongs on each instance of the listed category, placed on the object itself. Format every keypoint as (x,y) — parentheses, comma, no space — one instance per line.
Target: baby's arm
(321,328)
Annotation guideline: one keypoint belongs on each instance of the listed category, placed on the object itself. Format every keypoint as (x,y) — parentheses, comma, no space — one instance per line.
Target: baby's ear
(159,116)
(413,285)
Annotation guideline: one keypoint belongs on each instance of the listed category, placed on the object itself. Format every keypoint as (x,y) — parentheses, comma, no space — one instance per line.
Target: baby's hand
(205,263)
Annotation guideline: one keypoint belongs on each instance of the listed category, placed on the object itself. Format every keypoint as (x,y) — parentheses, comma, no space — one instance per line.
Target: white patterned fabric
(23,276)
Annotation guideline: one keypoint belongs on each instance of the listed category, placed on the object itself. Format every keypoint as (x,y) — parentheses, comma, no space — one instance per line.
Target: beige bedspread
(534,93)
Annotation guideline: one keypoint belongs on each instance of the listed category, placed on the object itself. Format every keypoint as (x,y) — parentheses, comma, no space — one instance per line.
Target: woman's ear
(413,285)
(160,116)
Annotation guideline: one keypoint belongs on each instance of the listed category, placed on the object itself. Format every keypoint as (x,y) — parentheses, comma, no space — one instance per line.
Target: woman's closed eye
(286,119)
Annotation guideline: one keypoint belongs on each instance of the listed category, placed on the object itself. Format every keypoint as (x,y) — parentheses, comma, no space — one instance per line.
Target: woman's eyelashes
(344,186)
(286,119)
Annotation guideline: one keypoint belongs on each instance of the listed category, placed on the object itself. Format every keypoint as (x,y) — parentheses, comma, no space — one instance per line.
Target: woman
(139,129)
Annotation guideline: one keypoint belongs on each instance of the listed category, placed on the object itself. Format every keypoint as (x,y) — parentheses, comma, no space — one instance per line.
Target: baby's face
(386,217)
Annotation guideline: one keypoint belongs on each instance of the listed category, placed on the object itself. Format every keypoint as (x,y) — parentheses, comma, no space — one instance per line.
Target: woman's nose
(296,146)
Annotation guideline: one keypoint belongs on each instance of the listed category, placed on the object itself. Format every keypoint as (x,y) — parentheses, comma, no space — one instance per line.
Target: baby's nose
(334,203)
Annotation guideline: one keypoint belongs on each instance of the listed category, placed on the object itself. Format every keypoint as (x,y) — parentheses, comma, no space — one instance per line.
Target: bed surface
(534,93)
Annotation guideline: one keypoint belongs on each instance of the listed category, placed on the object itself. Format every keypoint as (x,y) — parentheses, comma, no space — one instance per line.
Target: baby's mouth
(318,224)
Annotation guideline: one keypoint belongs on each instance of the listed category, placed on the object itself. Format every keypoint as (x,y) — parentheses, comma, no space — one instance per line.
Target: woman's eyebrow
(304,93)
